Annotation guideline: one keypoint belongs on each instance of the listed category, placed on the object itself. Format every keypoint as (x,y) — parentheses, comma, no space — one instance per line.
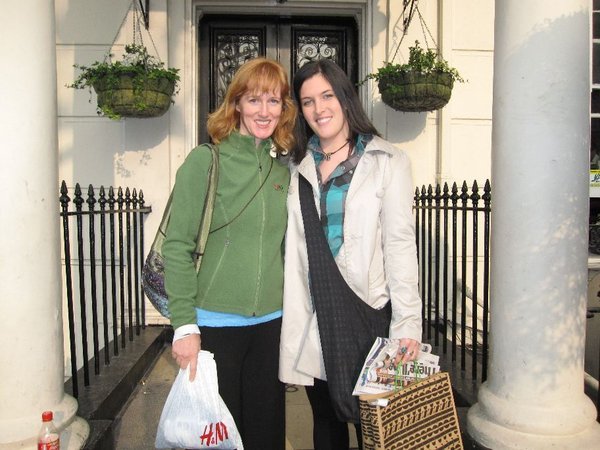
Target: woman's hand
(408,350)
(185,351)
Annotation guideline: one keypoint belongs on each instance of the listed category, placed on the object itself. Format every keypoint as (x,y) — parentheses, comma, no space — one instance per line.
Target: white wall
(95,150)
(453,144)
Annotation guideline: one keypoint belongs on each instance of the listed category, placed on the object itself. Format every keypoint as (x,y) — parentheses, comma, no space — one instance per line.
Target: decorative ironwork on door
(232,50)
(315,46)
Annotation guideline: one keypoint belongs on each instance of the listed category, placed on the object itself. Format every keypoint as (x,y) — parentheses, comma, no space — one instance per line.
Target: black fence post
(130,242)
(64,202)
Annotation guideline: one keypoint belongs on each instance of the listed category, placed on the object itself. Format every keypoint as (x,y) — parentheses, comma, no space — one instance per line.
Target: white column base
(74,431)
(75,435)
(499,424)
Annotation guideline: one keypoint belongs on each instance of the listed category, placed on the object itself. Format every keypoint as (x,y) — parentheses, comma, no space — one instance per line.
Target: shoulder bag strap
(249,201)
(209,204)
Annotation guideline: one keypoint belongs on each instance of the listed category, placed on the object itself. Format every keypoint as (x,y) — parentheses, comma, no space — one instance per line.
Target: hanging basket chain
(425,27)
(137,26)
(412,4)
(413,7)
(406,20)
(137,30)
(108,54)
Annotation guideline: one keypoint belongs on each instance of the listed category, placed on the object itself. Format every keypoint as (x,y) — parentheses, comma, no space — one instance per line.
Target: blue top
(334,191)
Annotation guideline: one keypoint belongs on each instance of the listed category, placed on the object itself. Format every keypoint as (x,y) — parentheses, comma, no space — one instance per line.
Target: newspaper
(381,373)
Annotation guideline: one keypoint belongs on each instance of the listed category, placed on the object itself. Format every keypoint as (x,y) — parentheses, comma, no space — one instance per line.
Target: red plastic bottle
(49,438)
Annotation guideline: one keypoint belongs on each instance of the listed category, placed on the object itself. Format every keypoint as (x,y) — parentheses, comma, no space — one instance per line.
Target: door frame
(361,10)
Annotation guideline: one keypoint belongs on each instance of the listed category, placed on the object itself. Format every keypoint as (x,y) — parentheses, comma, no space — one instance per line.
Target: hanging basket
(131,96)
(138,85)
(422,84)
(415,91)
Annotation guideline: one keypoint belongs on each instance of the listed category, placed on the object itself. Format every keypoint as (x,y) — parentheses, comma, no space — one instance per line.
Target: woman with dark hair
(362,188)
(345,93)
(235,300)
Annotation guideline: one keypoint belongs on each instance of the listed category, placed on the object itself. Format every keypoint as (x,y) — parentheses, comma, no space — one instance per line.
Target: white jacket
(378,258)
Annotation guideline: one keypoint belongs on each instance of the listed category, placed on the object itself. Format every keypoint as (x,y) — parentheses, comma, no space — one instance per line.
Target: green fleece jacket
(242,267)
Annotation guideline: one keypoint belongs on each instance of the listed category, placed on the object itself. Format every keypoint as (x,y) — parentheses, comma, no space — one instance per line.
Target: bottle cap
(47,416)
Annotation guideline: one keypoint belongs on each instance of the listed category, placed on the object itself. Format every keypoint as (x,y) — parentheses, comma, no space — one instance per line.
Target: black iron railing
(453,244)
(103,255)
(103,245)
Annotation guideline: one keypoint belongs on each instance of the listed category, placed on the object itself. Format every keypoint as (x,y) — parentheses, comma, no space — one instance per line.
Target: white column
(533,398)
(31,335)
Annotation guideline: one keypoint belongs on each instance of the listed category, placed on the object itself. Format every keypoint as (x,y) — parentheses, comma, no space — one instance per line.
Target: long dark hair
(358,122)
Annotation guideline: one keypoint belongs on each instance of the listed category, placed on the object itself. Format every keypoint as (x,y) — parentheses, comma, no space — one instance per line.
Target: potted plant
(423,84)
(137,86)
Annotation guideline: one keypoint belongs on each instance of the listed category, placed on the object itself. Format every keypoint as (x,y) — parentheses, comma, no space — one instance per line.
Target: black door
(226,43)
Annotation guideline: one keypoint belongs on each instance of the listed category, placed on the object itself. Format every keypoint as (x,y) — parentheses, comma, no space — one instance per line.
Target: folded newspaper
(381,372)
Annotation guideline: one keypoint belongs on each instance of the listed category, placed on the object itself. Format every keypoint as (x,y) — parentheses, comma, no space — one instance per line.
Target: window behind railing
(103,249)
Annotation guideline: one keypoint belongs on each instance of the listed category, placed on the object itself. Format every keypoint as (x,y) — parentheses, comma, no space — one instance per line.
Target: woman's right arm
(180,274)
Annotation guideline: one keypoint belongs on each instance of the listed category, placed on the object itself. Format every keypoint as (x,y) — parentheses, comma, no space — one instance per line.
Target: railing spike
(64,195)
(91,200)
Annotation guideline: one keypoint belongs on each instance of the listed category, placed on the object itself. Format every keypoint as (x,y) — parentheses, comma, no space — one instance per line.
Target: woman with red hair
(233,306)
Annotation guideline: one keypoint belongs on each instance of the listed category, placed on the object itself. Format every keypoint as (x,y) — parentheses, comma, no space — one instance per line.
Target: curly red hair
(259,75)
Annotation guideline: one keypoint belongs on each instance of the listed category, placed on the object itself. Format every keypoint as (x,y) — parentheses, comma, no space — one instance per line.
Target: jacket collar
(245,141)
(308,169)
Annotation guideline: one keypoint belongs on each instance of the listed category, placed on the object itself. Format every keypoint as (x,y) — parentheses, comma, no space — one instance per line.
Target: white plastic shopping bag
(194,415)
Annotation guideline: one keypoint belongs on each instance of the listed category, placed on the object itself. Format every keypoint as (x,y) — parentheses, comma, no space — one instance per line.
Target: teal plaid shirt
(334,191)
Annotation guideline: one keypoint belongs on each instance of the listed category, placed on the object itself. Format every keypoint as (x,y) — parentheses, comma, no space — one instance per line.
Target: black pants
(247,365)
(328,432)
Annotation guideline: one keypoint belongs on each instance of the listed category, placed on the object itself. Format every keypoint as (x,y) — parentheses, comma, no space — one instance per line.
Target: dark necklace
(328,155)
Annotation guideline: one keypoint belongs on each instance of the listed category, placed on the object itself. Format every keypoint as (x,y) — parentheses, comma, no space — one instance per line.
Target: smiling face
(323,112)
(259,114)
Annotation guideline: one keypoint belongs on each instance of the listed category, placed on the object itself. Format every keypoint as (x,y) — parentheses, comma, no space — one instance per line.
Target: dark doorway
(226,42)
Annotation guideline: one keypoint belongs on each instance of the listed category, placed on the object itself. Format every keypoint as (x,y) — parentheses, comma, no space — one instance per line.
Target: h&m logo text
(214,434)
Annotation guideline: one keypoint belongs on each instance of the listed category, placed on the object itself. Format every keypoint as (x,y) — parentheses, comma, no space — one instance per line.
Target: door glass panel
(595,101)
(232,50)
(336,43)
(596,63)
(312,47)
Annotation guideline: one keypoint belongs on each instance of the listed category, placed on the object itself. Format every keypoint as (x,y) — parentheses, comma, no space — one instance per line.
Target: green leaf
(419,60)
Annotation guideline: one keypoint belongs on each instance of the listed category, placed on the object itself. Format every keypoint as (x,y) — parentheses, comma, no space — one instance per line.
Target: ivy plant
(137,64)
(420,60)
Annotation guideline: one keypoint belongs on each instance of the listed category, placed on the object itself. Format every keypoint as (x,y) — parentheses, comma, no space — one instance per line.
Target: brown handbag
(420,416)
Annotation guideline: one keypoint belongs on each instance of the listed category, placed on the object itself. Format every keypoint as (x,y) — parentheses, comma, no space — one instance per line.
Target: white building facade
(453,144)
